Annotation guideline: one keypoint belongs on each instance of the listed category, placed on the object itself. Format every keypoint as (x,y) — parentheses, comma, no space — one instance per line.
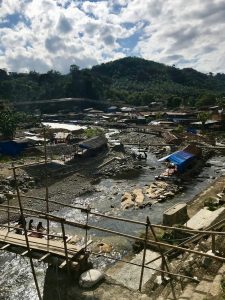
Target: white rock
(90,278)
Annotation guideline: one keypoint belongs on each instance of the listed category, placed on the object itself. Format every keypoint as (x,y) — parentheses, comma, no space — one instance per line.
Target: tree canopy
(8,124)
(129,80)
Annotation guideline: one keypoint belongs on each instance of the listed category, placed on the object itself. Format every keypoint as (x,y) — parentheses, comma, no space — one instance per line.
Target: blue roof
(179,158)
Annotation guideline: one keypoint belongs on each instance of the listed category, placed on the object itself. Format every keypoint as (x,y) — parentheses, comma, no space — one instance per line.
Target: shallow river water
(16,280)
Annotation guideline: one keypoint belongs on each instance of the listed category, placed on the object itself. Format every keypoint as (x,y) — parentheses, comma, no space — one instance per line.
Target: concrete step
(129,275)
(203,288)
(215,289)
(187,292)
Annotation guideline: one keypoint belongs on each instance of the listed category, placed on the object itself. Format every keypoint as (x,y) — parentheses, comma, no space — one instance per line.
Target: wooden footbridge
(64,252)
(43,248)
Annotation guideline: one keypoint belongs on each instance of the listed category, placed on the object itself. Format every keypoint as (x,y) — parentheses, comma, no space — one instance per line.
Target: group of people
(171,170)
(35,230)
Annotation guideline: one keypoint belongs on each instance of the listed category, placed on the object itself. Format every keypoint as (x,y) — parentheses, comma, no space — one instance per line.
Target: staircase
(209,288)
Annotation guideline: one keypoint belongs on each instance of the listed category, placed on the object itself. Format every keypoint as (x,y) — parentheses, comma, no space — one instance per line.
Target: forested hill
(131,80)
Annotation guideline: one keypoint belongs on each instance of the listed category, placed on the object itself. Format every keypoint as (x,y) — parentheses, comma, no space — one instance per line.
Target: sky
(42,35)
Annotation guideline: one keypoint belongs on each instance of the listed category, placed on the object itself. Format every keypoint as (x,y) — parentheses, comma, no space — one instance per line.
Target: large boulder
(90,278)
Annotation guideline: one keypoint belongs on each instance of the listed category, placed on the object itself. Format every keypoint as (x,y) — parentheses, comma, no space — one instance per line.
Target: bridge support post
(8,217)
(65,247)
(25,233)
(164,262)
(144,254)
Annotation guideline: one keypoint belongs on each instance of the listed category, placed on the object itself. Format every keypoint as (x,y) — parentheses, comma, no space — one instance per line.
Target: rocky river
(15,277)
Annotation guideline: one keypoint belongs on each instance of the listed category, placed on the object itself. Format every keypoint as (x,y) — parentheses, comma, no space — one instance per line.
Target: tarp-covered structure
(12,148)
(92,146)
(94,143)
(181,159)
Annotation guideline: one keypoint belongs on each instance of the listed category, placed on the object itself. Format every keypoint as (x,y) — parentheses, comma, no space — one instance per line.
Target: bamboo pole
(66,253)
(152,242)
(213,244)
(164,262)
(8,214)
(46,179)
(192,231)
(144,253)
(27,165)
(26,237)
(83,226)
(149,268)
(86,230)
(195,238)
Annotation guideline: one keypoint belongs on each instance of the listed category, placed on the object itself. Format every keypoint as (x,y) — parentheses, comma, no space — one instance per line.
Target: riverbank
(212,191)
(83,184)
(66,181)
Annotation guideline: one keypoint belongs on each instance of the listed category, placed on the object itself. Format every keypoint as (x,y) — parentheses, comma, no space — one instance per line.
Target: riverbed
(15,277)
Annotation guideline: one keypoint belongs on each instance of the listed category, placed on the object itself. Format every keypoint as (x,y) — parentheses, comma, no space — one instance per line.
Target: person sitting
(31,226)
(20,225)
(171,169)
(40,227)
(40,230)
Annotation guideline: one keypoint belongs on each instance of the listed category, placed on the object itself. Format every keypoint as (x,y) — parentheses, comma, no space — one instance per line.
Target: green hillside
(129,80)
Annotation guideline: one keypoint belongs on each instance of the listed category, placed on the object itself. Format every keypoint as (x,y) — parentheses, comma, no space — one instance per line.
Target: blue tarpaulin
(180,159)
(12,147)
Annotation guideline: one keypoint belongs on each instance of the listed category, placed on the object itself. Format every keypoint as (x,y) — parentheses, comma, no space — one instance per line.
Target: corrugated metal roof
(178,158)
(93,143)
(62,126)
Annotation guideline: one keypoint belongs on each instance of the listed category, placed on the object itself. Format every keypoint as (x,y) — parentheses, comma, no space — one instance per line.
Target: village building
(92,146)
(62,137)
(184,118)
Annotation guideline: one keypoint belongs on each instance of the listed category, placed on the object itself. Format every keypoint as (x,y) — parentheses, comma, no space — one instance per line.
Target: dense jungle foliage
(129,80)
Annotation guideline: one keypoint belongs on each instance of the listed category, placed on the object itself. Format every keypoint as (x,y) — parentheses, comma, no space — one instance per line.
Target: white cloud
(52,34)
(182,33)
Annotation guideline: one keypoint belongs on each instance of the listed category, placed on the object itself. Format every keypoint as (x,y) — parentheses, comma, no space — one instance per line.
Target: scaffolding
(86,226)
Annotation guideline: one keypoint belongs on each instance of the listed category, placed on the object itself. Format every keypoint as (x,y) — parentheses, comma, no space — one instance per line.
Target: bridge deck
(54,247)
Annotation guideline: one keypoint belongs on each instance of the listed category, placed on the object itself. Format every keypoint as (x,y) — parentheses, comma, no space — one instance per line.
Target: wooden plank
(5,246)
(83,247)
(24,253)
(63,264)
(54,247)
(44,257)
(69,238)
